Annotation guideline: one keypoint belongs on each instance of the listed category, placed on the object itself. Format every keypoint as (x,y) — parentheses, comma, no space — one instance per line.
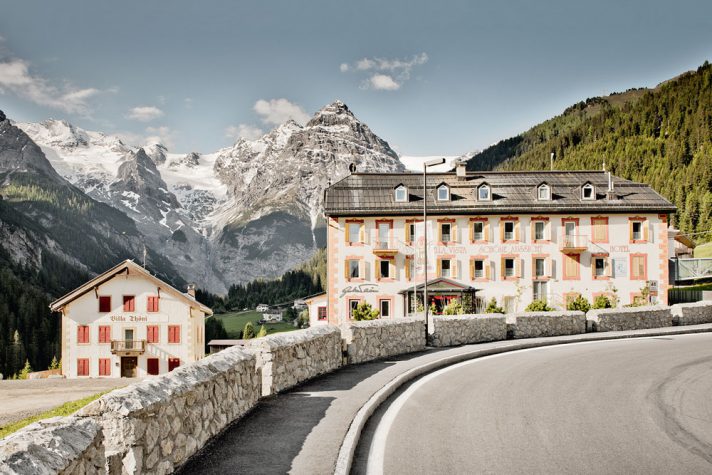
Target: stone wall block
(696,313)
(454,330)
(374,339)
(541,324)
(629,318)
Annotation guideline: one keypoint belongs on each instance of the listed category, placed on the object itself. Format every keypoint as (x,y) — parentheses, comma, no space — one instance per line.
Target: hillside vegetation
(662,137)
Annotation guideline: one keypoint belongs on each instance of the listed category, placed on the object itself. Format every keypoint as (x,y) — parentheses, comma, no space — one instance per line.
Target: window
(543,192)
(385,307)
(401,193)
(173,363)
(588,192)
(353,303)
(599,266)
(104,366)
(478,231)
(104,334)
(571,266)
(411,237)
(152,303)
(539,227)
(509,267)
(445,268)
(509,231)
(540,291)
(104,303)
(445,232)
(599,229)
(483,193)
(82,366)
(410,268)
(443,193)
(539,267)
(353,269)
(321,313)
(384,268)
(83,334)
(152,335)
(129,303)
(152,366)
(638,267)
(637,230)
(478,268)
(173,333)
(384,232)
(354,232)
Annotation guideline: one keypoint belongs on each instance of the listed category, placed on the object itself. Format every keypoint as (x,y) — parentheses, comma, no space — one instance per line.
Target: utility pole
(427,164)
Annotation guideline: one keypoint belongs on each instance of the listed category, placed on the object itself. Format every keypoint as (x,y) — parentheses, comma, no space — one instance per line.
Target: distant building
(272,316)
(128,323)
(218,345)
(317,305)
(263,307)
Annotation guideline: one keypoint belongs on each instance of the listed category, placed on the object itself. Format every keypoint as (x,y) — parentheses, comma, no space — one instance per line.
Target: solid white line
(377,450)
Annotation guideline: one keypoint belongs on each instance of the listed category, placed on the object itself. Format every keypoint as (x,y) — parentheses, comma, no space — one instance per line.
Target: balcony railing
(128,346)
(574,243)
(385,247)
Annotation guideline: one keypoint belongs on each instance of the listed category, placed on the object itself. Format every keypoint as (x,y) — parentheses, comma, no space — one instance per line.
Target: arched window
(588,192)
(484,193)
(443,193)
(543,192)
(401,193)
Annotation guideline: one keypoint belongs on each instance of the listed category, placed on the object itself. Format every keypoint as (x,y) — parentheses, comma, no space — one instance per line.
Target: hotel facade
(512,236)
(128,323)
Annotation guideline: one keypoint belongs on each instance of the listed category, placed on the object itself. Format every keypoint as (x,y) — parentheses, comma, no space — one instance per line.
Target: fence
(676,295)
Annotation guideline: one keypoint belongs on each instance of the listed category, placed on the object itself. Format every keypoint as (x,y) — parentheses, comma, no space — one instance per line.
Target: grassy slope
(704,250)
(235,321)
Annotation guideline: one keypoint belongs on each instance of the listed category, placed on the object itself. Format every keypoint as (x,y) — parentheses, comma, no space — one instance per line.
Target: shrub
(538,306)
(453,308)
(24,372)
(249,331)
(262,332)
(364,311)
(602,301)
(302,320)
(579,303)
(493,308)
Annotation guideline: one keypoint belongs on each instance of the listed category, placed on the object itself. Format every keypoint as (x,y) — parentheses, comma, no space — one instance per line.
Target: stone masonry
(454,330)
(692,313)
(538,324)
(373,339)
(153,426)
(64,445)
(629,318)
(287,359)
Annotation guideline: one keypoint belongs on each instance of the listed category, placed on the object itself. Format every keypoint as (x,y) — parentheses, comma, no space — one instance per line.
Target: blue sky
(441,77)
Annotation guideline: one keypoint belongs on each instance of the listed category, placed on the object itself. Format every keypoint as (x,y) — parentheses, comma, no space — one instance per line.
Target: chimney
(191,290)
(461,169)
(610,194)
(551,160)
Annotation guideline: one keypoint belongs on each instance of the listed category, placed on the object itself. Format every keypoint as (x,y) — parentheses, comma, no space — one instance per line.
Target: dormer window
(543,192)
(443,193)
(401,194)
(484,193)
(588,192)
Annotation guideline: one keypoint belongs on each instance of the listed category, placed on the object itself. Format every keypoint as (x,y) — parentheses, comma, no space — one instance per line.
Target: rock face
(454,330)
(374,339)
(631,318)
(538,324)
(253,210)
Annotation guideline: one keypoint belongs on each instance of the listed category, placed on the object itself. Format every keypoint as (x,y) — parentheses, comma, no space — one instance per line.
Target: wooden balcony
(573,244)
(128,347)
(385,248)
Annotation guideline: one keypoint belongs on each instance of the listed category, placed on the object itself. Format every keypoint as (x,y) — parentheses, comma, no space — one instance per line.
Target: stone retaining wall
(538,324)
(153,426)
(692,313)
(373,339)
(65,445)
(454,330)
(287,359)
(629,318)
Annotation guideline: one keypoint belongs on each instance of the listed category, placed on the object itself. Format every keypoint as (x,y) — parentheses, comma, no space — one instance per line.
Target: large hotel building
(513,236)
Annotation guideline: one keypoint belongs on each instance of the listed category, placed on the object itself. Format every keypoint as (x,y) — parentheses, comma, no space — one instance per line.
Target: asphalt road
(625,406)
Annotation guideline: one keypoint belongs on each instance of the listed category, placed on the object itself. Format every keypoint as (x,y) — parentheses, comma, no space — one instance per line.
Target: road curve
(625,406)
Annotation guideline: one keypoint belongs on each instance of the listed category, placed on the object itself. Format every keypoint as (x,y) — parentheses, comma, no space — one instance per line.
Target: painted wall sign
(359,289)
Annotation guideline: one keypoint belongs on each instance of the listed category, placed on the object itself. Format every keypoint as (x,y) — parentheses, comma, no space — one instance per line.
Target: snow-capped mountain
(247,211)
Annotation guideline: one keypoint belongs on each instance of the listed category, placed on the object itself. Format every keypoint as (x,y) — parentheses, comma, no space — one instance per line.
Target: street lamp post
(430,163)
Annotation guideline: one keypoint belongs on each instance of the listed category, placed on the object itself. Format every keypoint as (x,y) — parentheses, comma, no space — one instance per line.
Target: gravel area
(20,399)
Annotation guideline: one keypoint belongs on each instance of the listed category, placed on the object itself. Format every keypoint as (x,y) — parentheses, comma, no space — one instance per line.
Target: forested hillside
(662,137)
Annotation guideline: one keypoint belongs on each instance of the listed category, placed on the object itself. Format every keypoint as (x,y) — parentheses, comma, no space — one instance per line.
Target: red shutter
(173,363)
(82,334)
(173,333)
(152,366)
(322,313)
(152,333)
(152,304)
(105,304)
(104,366)
(82,367)
(129,303)
(104,334)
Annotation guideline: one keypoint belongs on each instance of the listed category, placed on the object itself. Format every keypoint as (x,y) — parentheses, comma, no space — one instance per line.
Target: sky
(430,77)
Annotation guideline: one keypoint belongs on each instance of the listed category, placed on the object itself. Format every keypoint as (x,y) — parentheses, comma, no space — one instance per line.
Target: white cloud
(385,74)
(382,82)
(144,113)
(278,111)
(245,131)
(163,135)
(15,77)
(188,103)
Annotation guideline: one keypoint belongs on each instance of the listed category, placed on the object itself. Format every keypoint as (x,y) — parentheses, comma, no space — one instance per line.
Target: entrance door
(128,366)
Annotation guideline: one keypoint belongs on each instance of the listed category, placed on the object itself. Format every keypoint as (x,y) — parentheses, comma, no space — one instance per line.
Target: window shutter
(440,232)
(608,267)
(630,231)
(364,269)
(378,269)
(517,234)
(407,232)
(454,269)
(501,230)
(488,233)
(593,267)
(472,269)
(531,231)
(439,272)
(502,270)
(453,232)
(362,232)
(520,267)
(472,231)
(645,226)
(547,231)
(552,268)
(347,275)
(547,267)
(488,269)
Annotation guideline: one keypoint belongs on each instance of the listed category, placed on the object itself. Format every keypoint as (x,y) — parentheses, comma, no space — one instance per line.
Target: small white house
(128,323)
(317,305)
(263,307)
(272,316)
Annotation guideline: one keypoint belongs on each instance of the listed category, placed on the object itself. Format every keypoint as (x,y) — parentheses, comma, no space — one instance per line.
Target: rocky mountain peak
(2,116)
(156,152)
(19,153)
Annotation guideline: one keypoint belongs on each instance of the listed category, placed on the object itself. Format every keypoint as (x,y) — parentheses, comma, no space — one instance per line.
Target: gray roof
(364,194)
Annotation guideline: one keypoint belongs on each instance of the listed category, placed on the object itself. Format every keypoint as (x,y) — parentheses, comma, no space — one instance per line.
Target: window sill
(480,279)
(541,241)
(601,277)
(354,244)
(541,278)
(386,279)
(356,280)
(637,241)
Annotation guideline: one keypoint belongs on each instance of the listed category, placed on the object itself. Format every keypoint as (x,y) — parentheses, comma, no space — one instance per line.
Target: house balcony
(573,244)
(385,248)
(128,347)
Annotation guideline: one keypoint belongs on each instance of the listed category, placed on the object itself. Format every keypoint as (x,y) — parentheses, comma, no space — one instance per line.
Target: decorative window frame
(544,185)
(604,219)
(437,192)
(592,187)
(577,259)
(396,189)
(635,276)
(607,266)
(489,192)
